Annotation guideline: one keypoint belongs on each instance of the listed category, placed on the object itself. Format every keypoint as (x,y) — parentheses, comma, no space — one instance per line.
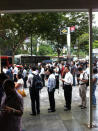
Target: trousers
(68,95)
(82,93)
(35,100)
(51,99)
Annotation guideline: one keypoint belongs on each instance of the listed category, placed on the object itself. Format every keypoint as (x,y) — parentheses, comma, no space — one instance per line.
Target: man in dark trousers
(51,90)
(68,81)
(34,93)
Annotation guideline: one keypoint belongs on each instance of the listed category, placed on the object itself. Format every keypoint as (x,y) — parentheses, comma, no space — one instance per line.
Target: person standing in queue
(82,87)
(68,81)
(51,89)
(42,74)
(34,93)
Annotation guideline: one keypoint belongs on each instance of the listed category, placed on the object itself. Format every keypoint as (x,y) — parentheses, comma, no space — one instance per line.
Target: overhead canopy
(12,5)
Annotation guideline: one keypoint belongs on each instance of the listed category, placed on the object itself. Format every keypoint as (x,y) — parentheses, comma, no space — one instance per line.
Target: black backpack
(37,83)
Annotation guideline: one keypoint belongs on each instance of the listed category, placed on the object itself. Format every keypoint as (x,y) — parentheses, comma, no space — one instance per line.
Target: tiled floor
(74,120)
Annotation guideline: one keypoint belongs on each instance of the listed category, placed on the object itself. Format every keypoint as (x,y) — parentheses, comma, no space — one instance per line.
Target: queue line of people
(52,73)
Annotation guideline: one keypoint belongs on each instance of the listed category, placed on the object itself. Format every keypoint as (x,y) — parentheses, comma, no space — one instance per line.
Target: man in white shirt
(25,77)
(42,74)
(68,81)
(34,93)
(82,87)
(15,72)
(5,69)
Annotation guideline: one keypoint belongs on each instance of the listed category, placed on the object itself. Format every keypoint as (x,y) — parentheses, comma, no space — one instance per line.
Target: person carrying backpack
(35,87)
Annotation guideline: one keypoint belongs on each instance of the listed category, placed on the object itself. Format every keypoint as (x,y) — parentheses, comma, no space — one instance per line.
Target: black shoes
(67,109)
(33,114)
(38,112)
(83,107)
(50,110)
(80,105)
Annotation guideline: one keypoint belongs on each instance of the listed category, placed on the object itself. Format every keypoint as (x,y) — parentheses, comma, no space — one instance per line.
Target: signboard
(72,29)
(63,31)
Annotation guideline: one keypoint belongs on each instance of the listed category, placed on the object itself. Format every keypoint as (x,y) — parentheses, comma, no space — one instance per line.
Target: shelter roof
(48,5)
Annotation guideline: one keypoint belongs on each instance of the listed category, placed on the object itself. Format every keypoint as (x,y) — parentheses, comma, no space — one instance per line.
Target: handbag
(22,93)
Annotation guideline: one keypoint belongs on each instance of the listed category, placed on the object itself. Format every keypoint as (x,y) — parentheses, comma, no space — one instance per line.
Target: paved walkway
(74,120)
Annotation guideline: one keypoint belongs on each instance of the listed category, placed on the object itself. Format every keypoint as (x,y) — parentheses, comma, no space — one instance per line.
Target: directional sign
(72,29)
(63,31)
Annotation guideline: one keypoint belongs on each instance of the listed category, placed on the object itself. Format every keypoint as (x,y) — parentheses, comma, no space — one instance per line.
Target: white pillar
(68,41)
(90,69)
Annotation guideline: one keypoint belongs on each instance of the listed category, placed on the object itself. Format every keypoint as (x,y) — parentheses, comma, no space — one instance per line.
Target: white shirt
(87,70)
(15,71)
(68,80)
(51,82)
(30,77)
(42,71)
(24,73)
(20,81)
(83,76)
(56,71)
(5,70)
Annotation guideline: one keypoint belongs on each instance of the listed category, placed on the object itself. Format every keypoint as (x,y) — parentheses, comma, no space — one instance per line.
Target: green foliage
(95,33)
(45,50)
(83,42)
(95,44)
(17,27)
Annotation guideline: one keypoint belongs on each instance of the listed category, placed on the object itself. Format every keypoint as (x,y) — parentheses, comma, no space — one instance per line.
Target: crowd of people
(13,80)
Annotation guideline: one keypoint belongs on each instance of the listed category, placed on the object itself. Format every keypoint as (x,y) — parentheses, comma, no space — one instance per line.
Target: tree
(45,50)
(84,42)
(17,27)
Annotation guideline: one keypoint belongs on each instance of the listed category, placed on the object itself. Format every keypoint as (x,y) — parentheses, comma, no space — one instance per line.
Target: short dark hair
(33,68)
(67,67)
(80,69)
(95,70)
(8,83)
(19,75)
(3,77)
(51,70)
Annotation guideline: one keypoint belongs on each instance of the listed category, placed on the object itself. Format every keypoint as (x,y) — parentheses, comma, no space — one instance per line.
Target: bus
(28,60)
(6,61)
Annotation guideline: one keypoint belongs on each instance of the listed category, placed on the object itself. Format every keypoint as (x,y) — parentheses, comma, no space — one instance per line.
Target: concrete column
(90,68)
(68,41)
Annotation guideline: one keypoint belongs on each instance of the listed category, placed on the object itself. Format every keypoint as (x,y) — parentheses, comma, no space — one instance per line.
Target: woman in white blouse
(20,83)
